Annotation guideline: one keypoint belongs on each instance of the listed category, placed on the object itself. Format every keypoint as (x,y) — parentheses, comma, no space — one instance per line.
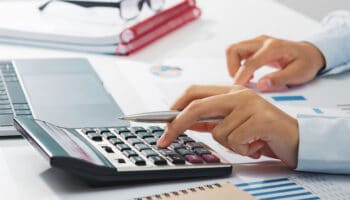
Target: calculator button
(108,135)
(177,140)
(194,145)
(193,158)
(127,135)
(153,129)
(129,153)
(104,130)
(166,152)
(108,149)
(141,147)
(210,158)
(186,140)
(121,130)
(137,160)
(158,133)
(176,145)
(88,130)
(134,141)
(184,152)
(123,147)
(151,141)
(176,159)
(138,129)
(115,141)
(157,160)
(94,136)
(182,135)
(149,152)
(201,151)
(144,135)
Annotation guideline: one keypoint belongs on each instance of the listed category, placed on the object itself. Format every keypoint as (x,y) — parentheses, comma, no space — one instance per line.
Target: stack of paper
(68,26)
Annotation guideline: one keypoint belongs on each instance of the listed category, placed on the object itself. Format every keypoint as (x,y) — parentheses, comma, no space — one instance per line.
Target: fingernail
(265,84)
(161,141)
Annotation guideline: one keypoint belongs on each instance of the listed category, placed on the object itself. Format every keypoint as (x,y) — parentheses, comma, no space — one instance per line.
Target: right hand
(299,62)
(251,126)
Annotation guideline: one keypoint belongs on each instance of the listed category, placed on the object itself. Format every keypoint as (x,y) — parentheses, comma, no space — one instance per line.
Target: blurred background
(316,9)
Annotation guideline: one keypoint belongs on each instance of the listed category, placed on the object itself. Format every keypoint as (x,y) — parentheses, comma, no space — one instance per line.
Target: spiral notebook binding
(168,195)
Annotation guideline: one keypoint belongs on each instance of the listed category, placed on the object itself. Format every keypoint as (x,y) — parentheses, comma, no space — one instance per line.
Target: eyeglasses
(128,9)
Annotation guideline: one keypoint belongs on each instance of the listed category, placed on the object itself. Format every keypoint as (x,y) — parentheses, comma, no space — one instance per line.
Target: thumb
(277,81)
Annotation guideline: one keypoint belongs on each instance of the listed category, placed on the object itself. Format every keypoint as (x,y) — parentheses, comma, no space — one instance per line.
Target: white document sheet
(64,23)
(325,95)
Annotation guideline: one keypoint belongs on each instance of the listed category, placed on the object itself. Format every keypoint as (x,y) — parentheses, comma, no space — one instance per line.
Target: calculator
(113,155)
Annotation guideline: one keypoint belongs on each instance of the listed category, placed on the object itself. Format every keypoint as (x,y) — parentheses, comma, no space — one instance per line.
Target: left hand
(251,125)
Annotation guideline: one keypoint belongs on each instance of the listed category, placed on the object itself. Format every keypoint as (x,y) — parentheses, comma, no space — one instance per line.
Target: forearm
(324,144)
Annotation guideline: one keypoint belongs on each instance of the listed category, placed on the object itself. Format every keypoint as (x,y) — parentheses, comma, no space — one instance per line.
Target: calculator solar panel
(114,155)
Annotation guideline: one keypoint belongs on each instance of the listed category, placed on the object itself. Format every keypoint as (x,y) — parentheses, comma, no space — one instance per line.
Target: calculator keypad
(137,146)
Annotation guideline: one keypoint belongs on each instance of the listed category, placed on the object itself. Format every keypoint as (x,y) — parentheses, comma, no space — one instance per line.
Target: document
(170,78)
(64,24)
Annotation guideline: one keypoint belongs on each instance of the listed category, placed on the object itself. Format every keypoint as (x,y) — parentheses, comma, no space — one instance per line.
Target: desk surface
(24,173)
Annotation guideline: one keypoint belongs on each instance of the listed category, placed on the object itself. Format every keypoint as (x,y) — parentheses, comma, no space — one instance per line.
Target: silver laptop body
(63,91)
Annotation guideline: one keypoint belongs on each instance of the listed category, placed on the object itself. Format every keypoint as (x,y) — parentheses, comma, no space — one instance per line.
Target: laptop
(66,92)
(62,108)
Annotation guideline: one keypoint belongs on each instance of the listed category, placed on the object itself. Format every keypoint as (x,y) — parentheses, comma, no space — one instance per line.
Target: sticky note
(289,98)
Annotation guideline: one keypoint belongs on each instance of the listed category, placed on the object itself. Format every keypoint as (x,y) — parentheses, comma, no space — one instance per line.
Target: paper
(277,188)
(324,186)
(324,92)
(335,187)
(64,22)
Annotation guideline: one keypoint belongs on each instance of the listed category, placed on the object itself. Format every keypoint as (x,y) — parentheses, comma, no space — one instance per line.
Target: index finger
(236,53)
(214,106)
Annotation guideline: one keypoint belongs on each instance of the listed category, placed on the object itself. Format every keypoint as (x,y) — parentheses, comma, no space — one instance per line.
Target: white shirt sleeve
(324,144)
(334,42)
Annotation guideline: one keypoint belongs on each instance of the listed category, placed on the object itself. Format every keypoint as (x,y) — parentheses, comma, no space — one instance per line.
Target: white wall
(316,8)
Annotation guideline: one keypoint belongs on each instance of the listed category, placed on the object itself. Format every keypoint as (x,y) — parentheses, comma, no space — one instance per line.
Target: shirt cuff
(333,47)
(325,148)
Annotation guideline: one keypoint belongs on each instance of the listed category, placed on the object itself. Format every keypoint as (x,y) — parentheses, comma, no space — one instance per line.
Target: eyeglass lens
(130,9)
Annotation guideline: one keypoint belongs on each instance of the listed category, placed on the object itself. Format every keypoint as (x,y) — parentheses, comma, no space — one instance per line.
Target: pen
(161,117)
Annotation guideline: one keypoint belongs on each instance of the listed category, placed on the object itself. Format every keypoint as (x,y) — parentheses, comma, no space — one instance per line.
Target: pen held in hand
(161,117)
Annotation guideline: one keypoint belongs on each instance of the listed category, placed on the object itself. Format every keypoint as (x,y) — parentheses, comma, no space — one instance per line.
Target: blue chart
(281,188)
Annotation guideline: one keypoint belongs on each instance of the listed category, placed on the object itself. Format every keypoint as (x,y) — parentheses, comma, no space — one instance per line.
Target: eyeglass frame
(90,4)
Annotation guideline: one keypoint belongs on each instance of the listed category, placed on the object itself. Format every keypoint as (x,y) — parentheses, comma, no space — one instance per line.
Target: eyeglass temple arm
(86,4)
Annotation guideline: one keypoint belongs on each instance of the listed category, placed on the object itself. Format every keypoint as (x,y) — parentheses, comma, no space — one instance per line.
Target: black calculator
(114,155)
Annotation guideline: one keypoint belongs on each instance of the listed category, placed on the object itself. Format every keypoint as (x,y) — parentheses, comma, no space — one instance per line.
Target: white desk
(24,174)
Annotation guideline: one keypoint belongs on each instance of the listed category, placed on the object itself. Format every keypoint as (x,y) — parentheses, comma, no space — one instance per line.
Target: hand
(251,125)
(299,62)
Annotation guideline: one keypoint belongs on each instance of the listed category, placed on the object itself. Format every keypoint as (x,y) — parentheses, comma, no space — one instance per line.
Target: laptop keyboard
(12,99)
(137,146)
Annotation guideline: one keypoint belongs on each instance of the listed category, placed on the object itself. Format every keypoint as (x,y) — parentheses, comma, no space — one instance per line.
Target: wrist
(317,59)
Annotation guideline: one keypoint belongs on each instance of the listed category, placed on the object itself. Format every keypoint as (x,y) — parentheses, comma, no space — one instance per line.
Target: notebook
(223,191)
(96,30)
